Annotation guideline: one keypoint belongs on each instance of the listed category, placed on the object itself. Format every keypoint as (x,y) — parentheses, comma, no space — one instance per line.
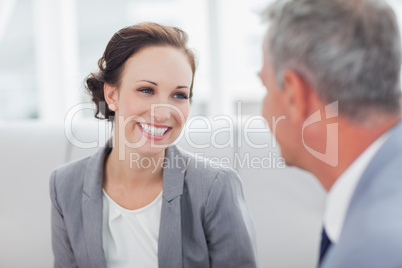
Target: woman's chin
(152,151)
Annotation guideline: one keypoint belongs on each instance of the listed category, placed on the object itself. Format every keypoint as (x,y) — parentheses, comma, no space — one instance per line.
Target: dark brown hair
(124,44)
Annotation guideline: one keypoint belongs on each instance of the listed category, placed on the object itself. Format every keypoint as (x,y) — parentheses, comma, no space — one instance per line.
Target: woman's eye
(180,96)
(146,90)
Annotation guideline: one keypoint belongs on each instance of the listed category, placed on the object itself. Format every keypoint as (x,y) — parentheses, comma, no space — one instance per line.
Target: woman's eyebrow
(156,84)
(153,83)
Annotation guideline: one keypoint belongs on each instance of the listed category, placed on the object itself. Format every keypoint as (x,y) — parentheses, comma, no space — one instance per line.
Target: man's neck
(353,140)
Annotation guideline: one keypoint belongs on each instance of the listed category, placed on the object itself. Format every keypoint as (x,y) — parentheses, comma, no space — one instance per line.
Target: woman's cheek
(185,111)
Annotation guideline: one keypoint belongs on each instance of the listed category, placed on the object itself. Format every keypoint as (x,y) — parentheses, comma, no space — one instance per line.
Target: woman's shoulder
(71,169)
(67,181)
(73,165)
(72,174)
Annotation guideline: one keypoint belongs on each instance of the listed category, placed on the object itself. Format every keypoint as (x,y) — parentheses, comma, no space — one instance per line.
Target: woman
(143,202)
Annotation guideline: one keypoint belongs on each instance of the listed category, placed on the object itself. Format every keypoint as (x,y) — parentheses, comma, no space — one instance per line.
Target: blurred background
(48,47)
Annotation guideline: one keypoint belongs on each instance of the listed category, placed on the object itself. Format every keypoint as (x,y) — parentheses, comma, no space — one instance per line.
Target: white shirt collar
(341,192)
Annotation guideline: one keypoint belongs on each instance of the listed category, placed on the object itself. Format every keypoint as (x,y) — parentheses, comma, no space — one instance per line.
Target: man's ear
(111,96)
(297,95)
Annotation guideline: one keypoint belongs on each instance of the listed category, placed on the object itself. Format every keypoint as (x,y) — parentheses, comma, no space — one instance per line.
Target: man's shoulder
(380,188)
(384,172)
(375,209)
(372,231)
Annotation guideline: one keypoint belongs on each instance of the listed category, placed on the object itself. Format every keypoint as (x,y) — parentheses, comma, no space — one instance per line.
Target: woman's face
(152,101)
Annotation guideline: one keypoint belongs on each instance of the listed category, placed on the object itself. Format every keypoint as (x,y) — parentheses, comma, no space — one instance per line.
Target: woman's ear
(111,96)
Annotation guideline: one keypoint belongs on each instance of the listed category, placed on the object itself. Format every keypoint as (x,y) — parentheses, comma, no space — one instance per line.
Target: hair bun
(94,84)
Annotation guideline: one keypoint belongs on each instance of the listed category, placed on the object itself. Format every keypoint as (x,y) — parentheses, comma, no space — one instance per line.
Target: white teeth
(154,131)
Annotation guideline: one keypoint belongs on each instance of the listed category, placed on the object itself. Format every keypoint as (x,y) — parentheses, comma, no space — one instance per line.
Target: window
(18,86)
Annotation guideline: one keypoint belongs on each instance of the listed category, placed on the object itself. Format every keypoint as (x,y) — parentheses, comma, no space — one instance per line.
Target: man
(332,68)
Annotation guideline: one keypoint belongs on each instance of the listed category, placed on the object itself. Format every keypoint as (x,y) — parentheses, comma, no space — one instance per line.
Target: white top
(341,192)
(130,237)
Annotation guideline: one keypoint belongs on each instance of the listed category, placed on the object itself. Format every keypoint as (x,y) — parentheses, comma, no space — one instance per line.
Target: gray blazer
(204,220)
(372,233)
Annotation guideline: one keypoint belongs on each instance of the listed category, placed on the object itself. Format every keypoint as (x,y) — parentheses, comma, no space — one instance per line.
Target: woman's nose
(160,112)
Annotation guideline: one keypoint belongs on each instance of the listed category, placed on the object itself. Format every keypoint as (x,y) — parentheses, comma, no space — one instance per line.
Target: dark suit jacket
(204,218)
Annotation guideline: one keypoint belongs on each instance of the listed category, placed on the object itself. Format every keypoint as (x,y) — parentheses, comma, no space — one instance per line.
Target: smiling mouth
(153,130)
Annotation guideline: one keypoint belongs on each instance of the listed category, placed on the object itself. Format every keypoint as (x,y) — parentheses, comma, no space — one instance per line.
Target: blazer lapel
(92,210)
(170,241)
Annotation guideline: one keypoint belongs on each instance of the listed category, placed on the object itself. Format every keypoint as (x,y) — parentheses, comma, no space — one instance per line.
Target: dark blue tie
(325,244)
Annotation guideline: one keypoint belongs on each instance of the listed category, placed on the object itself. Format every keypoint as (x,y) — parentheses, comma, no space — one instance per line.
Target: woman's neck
(133,172)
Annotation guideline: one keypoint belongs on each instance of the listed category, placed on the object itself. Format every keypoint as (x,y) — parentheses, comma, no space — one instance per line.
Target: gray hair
(349,50)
